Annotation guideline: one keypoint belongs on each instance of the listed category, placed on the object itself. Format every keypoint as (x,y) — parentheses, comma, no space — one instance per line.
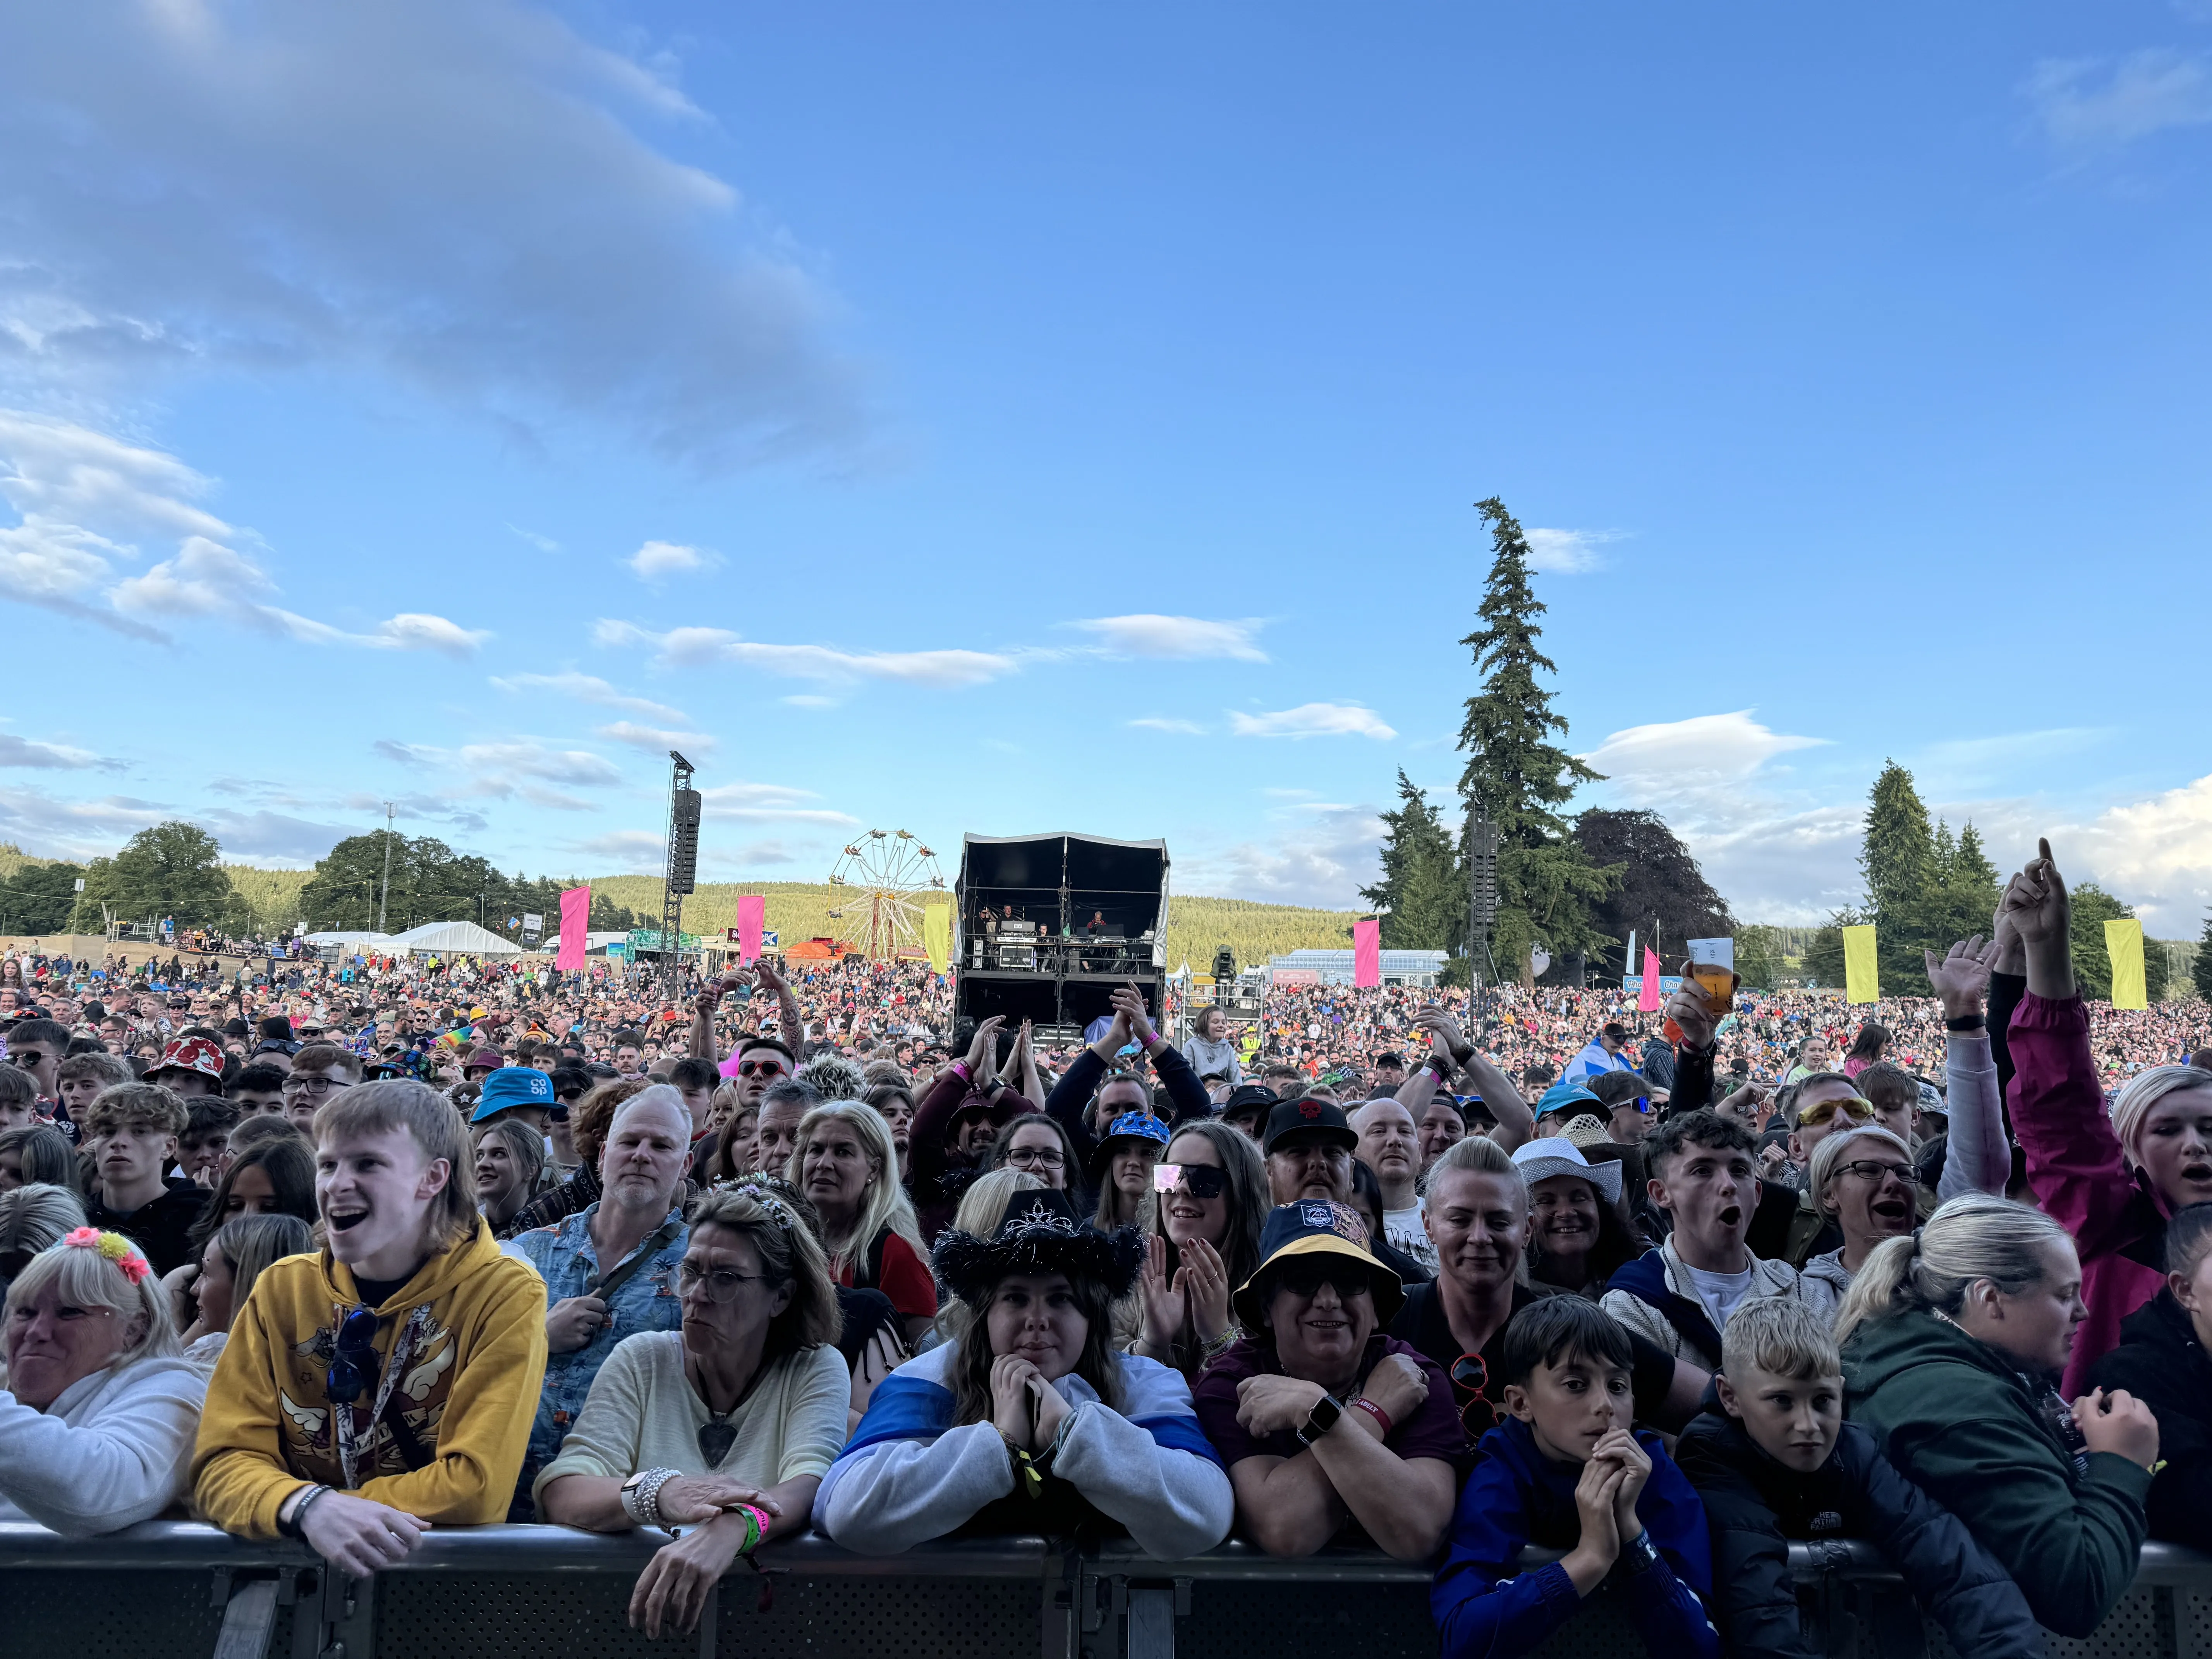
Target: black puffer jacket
(2162,1363)
(1755,1507)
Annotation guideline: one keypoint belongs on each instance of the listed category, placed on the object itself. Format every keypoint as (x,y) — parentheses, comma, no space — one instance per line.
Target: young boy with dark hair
(1564,1471)
(204,1149)
(1773,1460)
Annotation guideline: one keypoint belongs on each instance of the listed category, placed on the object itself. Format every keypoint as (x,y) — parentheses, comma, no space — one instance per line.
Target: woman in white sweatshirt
(99,1411)
(1032,1422)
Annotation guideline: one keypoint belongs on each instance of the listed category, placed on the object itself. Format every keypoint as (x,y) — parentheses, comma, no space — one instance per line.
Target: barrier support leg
(249,1617)
(1151,1624)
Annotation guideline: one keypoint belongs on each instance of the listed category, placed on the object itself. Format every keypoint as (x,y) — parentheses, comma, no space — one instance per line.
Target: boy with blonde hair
(386,1383)
(1774,1462)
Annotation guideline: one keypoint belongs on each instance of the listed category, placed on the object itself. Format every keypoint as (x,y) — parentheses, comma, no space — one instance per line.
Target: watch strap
(1318,1421)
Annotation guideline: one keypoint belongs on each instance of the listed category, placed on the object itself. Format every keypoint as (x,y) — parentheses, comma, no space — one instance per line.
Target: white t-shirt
(1721,1293)
(1402,1229)
(642,1413)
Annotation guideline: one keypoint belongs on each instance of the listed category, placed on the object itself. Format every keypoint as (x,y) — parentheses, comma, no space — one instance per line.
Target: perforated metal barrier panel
(170,1588)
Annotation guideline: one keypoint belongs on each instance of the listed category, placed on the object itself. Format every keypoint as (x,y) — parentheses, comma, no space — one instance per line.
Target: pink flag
(752,916)
(1646,1000)
(575,922)
(1367,952)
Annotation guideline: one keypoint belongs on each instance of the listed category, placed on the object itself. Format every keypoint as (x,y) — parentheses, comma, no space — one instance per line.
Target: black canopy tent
(1091,909)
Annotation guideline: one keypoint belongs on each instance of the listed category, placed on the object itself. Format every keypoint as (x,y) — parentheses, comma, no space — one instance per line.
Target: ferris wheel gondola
(882,878)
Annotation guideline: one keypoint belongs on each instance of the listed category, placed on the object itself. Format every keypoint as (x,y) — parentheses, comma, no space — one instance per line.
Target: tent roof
(460,938)
(345,936)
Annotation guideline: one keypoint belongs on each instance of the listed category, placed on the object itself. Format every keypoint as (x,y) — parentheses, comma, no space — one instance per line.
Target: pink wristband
(960,1069)
(759,1519)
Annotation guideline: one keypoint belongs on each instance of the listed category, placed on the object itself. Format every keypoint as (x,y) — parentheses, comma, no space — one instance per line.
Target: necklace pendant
(715,1439)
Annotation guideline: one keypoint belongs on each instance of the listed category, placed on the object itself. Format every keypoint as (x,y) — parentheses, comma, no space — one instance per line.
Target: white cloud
(808,699)
(464,195)
(54,473)
(1166,723)
(636,852)
(1321,860)
(691,648)
(769,802)
(73,829)
(1312,720)
(271,837)
(2089,104)
(2154,854)
(657,561)
(51,756)
(542,543)
(589,688)
(496,765)
(1684,760)
(1182,638)
(654,739)
(1568,552)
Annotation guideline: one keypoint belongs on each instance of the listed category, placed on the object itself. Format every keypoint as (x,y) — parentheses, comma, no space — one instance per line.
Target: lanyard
(403,1348)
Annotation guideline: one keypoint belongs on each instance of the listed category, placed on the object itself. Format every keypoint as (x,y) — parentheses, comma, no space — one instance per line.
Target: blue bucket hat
(511,1086)
(1130,1126)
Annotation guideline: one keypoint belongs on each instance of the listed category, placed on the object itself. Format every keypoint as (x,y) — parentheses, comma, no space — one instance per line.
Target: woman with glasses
(1032,1422)
(844,1164)
(1205,1239)
(1331,1430)
(724,1428)
(1862,1180)
(100,1410)
(1036,1145)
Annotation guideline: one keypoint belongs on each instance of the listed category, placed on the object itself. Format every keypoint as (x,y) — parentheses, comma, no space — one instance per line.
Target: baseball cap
(1560,1095)
(1290,1117)
(1248,1100)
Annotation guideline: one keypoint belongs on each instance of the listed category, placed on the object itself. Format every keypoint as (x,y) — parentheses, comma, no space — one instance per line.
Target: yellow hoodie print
(471,1327)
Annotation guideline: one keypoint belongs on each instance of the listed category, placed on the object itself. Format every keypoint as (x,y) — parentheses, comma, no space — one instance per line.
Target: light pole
(384,897)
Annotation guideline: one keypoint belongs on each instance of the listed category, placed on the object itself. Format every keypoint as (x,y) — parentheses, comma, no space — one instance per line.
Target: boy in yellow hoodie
(388,1383)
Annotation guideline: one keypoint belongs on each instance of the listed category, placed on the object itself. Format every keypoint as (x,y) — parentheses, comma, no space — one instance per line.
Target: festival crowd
(1560,1306)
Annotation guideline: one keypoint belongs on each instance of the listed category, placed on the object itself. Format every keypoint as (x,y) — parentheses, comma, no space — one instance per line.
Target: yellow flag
(936,935)
(2123,944)
(1861,982)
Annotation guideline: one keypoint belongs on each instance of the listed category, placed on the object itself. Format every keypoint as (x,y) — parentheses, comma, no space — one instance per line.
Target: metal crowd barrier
(181,1589)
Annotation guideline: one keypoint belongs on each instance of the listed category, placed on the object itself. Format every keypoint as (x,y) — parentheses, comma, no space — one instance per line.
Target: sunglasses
(1199,1179)
(1470,1374)
(1305,1279)
(354,1367)
(1824,1111)
(25,1057)
(760,1068)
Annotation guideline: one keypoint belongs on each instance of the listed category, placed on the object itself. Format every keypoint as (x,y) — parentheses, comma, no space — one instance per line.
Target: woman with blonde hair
(33,1219)
(99,1411)
(724,1428)
(844,1162)
(1949,1337)
(1862,1180)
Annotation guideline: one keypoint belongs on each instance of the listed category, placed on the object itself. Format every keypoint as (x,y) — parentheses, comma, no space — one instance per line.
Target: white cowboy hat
(1539,1160)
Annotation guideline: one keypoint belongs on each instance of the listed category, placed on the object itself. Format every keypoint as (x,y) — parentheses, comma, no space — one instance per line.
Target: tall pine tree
(1517,777)
(1422,896)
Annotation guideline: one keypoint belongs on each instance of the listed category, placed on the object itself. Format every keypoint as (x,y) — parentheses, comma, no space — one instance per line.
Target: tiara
(778,1211)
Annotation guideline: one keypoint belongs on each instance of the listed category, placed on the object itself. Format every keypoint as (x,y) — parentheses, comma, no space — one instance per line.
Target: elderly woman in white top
(726,1427)
(99,1412)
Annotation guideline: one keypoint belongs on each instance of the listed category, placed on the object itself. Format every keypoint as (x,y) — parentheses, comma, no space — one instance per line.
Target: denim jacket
(645,1301)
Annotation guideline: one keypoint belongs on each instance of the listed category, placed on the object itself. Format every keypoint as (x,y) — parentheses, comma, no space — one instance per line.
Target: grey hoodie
(1822,1283)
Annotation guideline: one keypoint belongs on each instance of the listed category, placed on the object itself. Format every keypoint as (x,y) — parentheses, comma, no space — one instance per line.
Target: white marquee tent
(454,938)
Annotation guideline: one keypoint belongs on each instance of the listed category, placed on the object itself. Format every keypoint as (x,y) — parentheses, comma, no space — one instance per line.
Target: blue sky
(992,419)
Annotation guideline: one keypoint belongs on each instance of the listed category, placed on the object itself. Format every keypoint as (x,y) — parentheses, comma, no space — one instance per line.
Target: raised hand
(1204,1280)
(1129,1006)
(1961,978)
(1161,1300)
(985,1041)
(2036,902)
(1696,1014)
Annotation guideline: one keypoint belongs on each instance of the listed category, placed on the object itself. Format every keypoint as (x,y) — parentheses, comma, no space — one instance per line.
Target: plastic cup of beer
(1712,964)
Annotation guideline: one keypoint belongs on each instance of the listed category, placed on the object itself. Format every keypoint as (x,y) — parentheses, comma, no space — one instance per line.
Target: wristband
(756,1523)
(1443,1068)
(1027,1481)
(291,1529)
(1639,1553)
(959,1069)
(1966,1022)
(1381,1416)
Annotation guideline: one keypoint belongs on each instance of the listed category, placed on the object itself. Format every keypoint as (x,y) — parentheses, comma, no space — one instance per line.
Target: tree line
(1574,888)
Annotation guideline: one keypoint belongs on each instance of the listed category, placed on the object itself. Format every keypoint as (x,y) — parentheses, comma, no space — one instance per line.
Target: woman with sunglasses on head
(1030,1422)
(1332,1430)
(724,1428)
(1205,1239)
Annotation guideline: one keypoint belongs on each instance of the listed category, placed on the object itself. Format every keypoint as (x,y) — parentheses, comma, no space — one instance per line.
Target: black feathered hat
(1044,1235)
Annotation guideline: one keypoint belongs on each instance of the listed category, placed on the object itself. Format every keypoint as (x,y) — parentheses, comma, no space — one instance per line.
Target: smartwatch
(1318,1421)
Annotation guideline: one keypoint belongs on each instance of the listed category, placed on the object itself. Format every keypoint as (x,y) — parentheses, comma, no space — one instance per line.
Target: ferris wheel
(880,879)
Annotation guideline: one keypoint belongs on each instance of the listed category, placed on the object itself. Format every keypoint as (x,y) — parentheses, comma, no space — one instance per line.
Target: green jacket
(1961,1425)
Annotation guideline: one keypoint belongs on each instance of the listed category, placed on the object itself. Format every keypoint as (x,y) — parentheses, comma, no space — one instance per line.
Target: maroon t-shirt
(1432,1431)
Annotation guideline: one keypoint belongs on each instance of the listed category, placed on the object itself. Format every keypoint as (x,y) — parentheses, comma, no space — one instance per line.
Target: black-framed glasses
(1199,1179)
(719,1286)
(1872,1170)
(25,1057)
(354,1367)
(310,1086)
(1038,1157)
